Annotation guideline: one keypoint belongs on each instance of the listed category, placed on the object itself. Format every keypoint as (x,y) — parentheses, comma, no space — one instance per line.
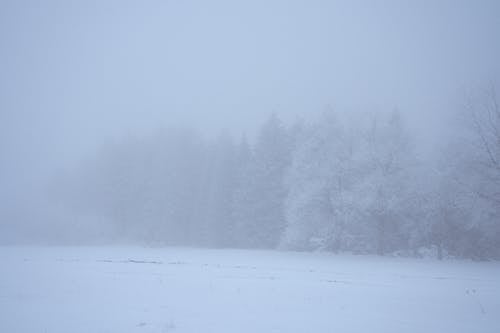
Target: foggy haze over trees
(175,123)
(334,183)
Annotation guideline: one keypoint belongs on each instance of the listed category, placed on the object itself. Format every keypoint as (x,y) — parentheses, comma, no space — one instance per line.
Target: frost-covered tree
(476,171)
(220,191)
(386,188)
(244,200)
(348,181)
(321,206)
(484,143)
(266,193)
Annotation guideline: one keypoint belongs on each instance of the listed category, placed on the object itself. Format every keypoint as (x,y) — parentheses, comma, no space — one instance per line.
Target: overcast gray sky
(74,73)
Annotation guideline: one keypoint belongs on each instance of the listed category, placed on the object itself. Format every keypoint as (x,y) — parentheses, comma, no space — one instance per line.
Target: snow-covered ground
(133,289)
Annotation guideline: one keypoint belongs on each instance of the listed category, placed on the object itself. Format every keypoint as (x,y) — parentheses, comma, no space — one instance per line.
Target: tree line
(337,183)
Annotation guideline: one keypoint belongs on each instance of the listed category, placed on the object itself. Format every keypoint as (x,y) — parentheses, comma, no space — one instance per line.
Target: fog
(249,166)
(77,75)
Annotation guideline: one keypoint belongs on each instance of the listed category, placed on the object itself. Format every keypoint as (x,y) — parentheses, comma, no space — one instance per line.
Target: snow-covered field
(133,289)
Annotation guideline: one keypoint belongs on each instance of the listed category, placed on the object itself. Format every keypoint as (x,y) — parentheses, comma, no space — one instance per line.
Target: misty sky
(76,73)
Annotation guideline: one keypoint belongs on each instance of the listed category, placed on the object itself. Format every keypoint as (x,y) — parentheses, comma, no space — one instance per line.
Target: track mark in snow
(472,293)
(403,276)
(337,281)
(231,277)
(133,261)
(144,262)
(358,283)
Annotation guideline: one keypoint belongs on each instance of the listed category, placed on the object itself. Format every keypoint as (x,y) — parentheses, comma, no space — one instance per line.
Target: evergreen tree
(267,190)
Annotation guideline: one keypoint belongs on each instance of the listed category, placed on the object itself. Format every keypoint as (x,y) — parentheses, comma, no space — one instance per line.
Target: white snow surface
(138,289)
